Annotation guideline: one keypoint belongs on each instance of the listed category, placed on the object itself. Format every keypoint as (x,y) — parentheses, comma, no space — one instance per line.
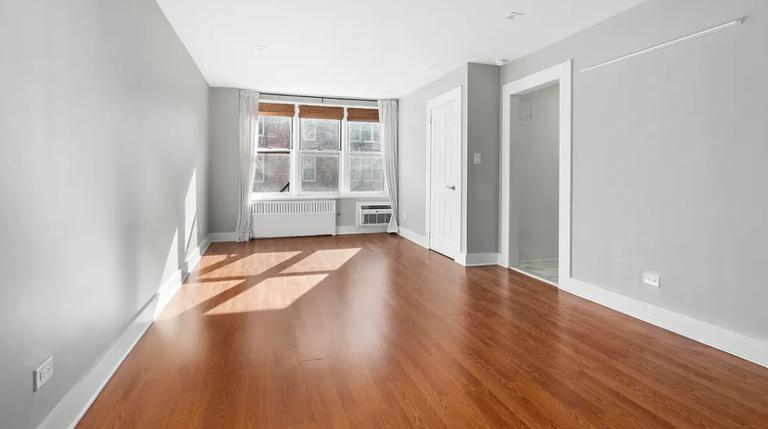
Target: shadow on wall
(183,250)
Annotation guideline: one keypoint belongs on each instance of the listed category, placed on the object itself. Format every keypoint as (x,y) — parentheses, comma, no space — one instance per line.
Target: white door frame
(561,74)
(454,94)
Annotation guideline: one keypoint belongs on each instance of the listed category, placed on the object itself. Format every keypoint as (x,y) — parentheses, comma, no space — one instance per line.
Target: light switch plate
(42,374)
(652,279)
(477,158)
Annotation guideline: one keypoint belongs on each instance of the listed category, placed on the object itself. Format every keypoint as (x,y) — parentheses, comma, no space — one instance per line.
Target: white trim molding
(76,402)
(222,237)
(478,259)
(352,229)
(740,345)
(559,74)
(413,236)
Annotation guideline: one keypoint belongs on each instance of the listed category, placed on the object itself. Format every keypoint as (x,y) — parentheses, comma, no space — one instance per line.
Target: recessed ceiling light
(501,61)
(434,66)
(259,48)
(514,15)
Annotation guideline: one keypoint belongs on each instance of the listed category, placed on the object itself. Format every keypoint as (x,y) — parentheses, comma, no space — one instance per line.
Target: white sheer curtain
(249,131)
(388,121)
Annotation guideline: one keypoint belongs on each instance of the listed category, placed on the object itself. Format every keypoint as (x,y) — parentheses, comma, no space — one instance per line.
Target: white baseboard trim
(76,402)
(477,259)
(414,237)
(351,229)
(222,237)
(740,345)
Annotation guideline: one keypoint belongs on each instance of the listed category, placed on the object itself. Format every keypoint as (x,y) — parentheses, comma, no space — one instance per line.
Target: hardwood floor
(374,331)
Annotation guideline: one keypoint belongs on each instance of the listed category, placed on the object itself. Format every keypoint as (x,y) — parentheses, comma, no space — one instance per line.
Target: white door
(444,223)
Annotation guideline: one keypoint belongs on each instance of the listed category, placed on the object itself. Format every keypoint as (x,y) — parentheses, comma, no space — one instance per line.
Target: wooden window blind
(321,112)
(362,115)
(276,109)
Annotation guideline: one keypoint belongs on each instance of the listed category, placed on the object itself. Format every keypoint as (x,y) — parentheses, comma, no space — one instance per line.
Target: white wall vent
(293,218)
(369,214)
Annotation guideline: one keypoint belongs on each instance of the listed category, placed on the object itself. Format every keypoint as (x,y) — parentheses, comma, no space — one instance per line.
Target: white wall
(103,173)
(668,154)
(534,148)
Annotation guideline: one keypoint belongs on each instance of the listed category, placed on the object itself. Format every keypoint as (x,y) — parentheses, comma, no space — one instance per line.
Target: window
(320,147)
(320,173)
(274,149)
(273,172)
(366,162)
(326,150)
(320,134)
(275,132)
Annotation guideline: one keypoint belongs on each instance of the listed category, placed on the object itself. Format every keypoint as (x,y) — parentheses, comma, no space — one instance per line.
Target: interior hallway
(373,331)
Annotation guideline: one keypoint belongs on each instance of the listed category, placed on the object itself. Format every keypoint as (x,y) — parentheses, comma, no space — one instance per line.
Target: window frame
(363,154)
(268,150)
(296,165)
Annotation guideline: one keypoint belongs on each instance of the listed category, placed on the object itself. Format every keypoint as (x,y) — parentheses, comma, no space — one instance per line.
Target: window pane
(273,172)
(320,134)
(319,173)
(275,132)
(366,173)
(364,137)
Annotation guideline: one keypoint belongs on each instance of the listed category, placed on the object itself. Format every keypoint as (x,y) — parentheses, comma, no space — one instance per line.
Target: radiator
(293,218)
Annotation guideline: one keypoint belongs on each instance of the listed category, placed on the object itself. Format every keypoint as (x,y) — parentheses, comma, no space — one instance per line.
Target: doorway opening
(535,209)
(534,180)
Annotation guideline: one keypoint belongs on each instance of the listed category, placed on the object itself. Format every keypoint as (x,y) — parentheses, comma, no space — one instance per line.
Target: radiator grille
(294,207)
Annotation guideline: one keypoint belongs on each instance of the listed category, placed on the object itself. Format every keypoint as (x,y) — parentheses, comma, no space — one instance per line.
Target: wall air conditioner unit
(373,214)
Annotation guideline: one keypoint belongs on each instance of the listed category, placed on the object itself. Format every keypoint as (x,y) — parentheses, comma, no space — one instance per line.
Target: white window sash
(344,154)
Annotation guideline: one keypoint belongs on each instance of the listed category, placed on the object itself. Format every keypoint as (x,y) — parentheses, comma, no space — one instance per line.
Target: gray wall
(480,133)
(412,144)
(224,117)
(224,108)
(482,123)
(103,126)
(668,154)
(534,146)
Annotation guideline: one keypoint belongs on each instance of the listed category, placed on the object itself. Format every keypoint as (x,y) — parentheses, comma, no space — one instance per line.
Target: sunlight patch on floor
(274,293)
(323,260)
(192,295)
(250,265)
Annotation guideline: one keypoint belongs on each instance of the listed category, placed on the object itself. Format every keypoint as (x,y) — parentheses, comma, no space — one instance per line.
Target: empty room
(491,214)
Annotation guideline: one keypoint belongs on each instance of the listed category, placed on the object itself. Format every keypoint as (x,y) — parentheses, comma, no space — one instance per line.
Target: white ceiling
(363,48)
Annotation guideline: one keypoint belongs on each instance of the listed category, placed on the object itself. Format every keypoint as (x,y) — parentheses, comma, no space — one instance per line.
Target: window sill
(278,197)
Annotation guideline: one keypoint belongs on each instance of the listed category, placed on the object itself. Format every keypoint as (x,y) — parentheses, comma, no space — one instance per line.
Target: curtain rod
(369,100)
(668,43)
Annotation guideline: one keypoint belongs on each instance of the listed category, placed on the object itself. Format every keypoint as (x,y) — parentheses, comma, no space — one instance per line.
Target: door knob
(452,187)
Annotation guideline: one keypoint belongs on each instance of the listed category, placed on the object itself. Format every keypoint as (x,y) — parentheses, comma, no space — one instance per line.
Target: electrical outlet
(42,374)
(652,279)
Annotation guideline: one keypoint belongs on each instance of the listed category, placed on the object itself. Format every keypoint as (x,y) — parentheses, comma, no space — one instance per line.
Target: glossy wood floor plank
(374,331)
